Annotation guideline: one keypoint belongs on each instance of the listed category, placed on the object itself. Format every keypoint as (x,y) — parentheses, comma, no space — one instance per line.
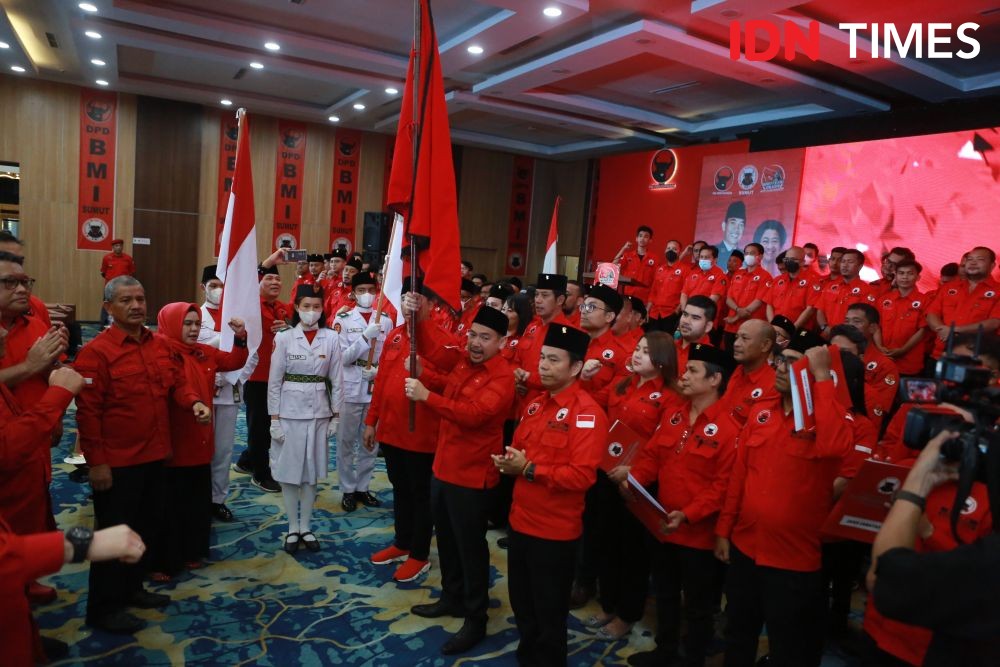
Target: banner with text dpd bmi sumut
(228,133)
(344,208)
(750,197)
(522,182)
(98,144)
(288,184)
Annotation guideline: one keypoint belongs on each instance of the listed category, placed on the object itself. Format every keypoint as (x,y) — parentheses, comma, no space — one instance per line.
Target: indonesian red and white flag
(551,259)
(238,252)
(392,284)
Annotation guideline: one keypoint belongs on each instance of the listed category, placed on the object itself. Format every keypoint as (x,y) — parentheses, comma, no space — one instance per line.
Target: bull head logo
(291,138)
(98,111)
(663,166)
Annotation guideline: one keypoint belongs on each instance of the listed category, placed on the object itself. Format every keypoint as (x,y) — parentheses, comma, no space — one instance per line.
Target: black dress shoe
(221,512)
(292,546)
(311,545)
(580,595)
(349,502)
(53,648)
(367,498)
(117,622)
(266,485)
(147,600)
(503,542)
(438,609)
(472,633)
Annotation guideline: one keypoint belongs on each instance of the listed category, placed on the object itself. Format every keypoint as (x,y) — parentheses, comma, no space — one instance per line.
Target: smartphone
(297,255)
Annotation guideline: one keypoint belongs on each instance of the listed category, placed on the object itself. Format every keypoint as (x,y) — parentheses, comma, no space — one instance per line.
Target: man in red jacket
(691,456)
(409,456)
(554,455)
(550,294)
(473,404)
(124,422)
(115,263)
(780,493)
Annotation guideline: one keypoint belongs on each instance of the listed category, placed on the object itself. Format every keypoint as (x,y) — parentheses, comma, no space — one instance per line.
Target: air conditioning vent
(52,40)
(674,88)
(240,73)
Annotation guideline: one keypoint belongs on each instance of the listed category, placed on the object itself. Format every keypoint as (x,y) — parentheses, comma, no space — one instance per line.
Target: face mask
(671,256)
(365,300)
(214,295)
(808,260)
(750,260)
(309,317)
(792,266)
(704,264)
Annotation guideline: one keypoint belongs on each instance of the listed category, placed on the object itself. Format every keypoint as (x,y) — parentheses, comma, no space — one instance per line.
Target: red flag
(426,195)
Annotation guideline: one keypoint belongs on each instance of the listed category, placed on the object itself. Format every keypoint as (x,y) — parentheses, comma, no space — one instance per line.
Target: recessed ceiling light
(272,46)
(101,82)
(359,106)
(552,12)
(87,7)
(93,34)
(98,62)
(17,68)
(4,45)
(226,103)
(391,91)
(475,49)
(257,65)
(334,119)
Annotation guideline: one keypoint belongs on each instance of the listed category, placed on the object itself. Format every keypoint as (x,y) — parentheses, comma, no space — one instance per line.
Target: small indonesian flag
(585,421)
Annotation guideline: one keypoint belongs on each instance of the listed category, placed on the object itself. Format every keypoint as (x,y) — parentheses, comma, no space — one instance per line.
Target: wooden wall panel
(484,208)
(569,181)
(40,129)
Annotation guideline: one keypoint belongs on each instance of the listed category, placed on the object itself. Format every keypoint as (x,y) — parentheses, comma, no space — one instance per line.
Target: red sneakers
(411,569)
(389,555)
(40,593)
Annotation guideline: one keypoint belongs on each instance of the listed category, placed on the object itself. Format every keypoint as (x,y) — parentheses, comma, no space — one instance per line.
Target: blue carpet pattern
(256,605)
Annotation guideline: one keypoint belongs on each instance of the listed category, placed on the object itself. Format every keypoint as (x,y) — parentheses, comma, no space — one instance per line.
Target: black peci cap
(492,318)
(312,290)
(314,258)
(363,278)
(338,253)
(805,339)
(209,273)
(355,262)
(610,297)
(552,281)
(501,291)
(784,324)
(469,286)
(711,355)
(567,338)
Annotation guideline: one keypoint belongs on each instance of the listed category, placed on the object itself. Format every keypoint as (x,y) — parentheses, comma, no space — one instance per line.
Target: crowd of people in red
(514,398)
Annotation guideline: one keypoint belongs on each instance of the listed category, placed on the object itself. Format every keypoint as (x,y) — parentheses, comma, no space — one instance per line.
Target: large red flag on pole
(237,267)
(424,192)
(551,258)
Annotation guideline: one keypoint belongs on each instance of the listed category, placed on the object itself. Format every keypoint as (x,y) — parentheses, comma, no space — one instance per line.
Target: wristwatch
(529,472)
(914,498)
(80,538)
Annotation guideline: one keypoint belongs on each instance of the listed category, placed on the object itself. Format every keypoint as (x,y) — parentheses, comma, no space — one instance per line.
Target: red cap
(114,241)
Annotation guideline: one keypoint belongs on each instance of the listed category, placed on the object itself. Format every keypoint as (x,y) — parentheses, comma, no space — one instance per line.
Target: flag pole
(381,303)
(412,321)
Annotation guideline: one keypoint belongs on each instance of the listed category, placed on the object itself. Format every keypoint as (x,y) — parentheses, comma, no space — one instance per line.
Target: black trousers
(842,567)
(790,603)
(539,581)
(623,554)
(255,456)
(588,550)
(135,498)
(188,521)
(410,476)
(503,493)
(460,518)
(678,568)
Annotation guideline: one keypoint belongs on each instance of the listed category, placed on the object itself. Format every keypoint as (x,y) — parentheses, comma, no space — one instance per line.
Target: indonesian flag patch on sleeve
(585,421)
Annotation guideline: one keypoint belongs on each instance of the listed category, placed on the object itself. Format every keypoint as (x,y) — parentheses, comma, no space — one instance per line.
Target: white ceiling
(605,76)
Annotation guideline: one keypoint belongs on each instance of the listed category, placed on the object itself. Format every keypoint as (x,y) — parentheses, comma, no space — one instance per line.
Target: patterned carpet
(256,605)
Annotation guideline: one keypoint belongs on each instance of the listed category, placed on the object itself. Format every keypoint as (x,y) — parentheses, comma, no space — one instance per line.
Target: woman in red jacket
(188,474)
(637,399)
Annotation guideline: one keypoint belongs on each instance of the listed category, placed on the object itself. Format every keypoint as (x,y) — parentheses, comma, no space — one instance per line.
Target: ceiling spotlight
(256,65)
(359,106)
(334,119)
(93,34)
(17,68)
(552,12)
(226,103)
(475,49)
(98,62)
(87,7)
(391,91)
(272,46)
(4,45)
(101,82)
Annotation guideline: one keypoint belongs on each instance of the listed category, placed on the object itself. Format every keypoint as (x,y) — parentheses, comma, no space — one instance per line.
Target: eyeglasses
(590,307)
(11,282)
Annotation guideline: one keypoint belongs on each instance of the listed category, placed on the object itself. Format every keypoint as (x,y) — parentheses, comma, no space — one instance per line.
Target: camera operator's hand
(930,470)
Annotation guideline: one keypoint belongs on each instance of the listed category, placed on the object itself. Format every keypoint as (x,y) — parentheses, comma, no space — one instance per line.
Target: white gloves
(277,434)
(333,426)
(368,374)
(372,331)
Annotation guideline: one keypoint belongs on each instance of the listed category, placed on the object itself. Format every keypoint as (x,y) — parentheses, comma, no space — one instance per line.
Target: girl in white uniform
(304,399)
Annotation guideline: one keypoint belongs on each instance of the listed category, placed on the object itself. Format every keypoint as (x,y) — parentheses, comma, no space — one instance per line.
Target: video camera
(963,382)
